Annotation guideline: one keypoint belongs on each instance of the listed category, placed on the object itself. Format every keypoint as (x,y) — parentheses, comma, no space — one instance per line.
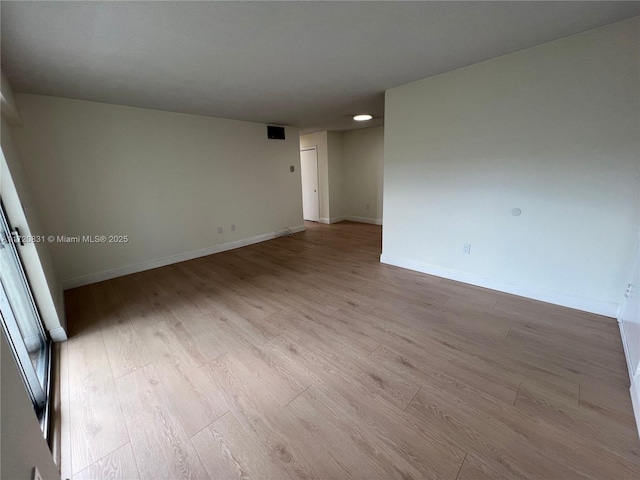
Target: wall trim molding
(373,221)
(180,257)
(328,221)
(591,305)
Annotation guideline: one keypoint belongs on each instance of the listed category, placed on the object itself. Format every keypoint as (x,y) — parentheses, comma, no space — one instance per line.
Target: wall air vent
(275,133)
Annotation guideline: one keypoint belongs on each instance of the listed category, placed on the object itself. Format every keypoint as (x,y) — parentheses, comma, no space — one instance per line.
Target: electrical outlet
(627,292)
(367,206)
(292,169)
(233,228)
(220,230)
(36,474)
(466,248)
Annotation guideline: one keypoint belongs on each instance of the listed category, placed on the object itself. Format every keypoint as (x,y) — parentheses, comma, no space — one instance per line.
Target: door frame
(315,149)
(37,379)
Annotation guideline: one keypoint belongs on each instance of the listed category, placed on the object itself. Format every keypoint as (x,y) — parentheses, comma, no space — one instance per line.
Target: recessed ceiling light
(362,118)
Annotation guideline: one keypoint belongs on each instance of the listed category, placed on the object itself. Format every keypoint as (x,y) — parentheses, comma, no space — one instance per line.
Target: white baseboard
(181,257)
(373,221)
(298,229)
(592,305)
(328,221)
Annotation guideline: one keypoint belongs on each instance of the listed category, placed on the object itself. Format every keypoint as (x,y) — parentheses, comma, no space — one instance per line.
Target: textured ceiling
(307,64)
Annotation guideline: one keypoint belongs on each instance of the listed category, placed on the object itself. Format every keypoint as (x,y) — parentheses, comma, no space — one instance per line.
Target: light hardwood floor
(304,357)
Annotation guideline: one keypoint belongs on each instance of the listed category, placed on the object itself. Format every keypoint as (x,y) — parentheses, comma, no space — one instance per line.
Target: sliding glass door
(21,321)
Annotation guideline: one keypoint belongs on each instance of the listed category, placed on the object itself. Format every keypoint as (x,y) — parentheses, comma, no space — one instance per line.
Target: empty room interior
(320,240)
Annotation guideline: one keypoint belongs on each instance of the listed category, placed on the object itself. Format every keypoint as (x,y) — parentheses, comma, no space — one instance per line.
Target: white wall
(166,180)
(320,141)
(337,183)
(22,213)
(363,174)
(7,102)
(552,130)
(22,444)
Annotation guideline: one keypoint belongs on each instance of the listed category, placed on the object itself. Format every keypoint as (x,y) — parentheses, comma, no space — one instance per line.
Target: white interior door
(309,174)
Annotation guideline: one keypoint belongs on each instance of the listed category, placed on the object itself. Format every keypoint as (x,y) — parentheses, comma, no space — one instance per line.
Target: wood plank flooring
(305,358)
